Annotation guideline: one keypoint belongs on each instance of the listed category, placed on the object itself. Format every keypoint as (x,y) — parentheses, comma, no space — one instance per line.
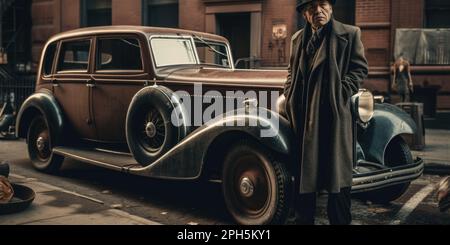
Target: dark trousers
(338,208)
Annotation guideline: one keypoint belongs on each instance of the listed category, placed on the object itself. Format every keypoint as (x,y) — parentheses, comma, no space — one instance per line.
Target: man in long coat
(327,65)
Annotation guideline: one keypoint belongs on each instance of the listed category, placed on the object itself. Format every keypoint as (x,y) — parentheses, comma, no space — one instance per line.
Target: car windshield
(212,53)
(170,51)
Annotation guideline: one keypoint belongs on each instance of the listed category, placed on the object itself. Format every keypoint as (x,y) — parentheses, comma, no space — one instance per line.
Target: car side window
(48,59)
(74,56)
(118,54)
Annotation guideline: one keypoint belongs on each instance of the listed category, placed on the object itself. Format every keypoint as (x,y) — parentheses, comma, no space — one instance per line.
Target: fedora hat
(303,3)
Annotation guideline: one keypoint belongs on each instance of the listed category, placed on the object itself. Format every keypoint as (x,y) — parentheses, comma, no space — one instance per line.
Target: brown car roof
(132,29)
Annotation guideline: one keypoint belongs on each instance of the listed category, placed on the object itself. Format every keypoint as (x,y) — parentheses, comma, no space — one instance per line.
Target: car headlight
(364,105)
(281,105)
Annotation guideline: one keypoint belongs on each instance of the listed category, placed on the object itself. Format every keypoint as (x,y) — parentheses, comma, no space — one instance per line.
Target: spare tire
(150,132)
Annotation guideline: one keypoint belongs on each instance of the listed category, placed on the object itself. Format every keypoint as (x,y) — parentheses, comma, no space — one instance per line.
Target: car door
(119,75)
(71,85)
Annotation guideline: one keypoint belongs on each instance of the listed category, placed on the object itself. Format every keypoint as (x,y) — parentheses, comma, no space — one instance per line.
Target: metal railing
(16,89)
(247,63)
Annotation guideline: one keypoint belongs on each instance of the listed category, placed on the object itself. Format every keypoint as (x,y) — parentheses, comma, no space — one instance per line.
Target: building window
(96,13)
(423,46)
(437,14)
(344,11)
(161,13)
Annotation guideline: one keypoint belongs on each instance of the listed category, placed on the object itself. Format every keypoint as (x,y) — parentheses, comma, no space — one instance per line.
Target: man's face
(318,13)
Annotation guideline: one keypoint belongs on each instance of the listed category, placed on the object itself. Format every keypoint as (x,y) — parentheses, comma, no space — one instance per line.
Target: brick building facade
(262,28)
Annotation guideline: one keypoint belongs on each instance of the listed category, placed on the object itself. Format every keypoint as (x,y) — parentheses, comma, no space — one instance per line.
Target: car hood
(227,77)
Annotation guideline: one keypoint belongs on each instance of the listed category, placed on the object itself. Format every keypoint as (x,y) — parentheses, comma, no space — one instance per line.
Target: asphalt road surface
(180,203)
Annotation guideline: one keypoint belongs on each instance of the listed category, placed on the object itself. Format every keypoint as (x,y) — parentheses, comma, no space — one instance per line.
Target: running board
(107,159)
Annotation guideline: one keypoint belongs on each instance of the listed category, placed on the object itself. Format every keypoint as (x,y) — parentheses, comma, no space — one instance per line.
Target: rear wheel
(397,154)
(256,187)
(40,148)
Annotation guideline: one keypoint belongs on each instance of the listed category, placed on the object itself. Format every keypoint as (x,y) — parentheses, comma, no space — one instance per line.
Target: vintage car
(106,96)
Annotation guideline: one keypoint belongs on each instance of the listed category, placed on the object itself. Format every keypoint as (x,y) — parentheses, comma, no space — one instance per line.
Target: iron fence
(16,89)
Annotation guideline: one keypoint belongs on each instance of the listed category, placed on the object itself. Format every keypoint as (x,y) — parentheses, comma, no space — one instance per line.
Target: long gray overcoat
(341,63)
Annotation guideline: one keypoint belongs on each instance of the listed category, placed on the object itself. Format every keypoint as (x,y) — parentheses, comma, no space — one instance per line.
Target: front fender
(388,122)
(187,159)
(45,104)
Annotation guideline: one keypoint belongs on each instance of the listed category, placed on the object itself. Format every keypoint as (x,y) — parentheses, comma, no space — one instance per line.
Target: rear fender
(41,103)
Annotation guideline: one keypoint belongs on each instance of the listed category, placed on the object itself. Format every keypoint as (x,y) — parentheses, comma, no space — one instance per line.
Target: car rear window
(74,56)
(118,54)
(48,59)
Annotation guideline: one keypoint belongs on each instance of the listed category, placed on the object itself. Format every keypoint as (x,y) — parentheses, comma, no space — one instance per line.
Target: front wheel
(397,154)
(40,148)
(256,186)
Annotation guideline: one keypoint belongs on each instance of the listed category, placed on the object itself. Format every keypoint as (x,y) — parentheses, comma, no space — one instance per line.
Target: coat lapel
(302,45)
(321,56)
(298,57)
(337,42)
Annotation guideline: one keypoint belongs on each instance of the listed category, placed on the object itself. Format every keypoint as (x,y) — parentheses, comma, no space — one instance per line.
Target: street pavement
(57,206)
(436,154)
(85,194)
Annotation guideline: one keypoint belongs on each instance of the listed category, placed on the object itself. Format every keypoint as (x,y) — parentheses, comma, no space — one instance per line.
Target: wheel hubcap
(150,129)
(41,143)
(153,131)
(247,187)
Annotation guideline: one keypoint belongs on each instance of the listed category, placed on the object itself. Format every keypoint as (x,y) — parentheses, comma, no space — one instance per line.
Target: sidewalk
(437,151)
(57,206)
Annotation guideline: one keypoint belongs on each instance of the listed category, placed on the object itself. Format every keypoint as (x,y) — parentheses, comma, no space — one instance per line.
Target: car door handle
(55,83)
(90,83)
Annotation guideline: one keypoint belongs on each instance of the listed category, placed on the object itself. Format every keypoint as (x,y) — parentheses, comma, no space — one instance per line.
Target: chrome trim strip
(114,152)
(385,183)
(385,179)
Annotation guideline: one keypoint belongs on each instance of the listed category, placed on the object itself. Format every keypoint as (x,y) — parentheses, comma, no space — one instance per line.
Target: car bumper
(387,177)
